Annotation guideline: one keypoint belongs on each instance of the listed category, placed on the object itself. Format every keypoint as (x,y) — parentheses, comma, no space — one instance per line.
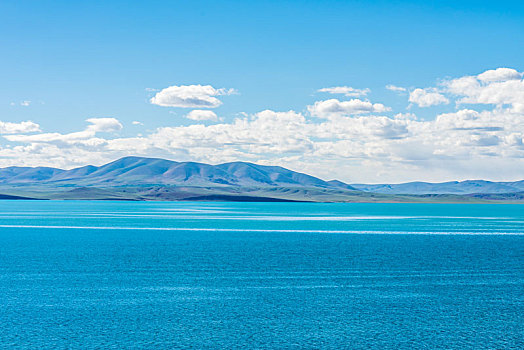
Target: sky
(360,91)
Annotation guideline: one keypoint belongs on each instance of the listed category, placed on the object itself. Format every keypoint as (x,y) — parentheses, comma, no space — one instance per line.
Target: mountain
(153,171)
(27,175)
(452,187)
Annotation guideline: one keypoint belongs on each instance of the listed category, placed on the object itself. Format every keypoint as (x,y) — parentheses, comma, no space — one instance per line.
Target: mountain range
(451,187)
(139,178)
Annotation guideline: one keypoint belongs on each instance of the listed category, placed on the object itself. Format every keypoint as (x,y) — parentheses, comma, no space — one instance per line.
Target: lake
(95,274)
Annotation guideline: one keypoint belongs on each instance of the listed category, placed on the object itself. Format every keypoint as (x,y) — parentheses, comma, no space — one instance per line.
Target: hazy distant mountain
(153,171)
(453,187)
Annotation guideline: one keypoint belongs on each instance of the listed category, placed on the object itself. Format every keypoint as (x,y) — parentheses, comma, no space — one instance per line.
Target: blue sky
(74,61)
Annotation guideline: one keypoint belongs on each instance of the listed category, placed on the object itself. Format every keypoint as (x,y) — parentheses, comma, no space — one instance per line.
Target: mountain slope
(154,171)
(27,175)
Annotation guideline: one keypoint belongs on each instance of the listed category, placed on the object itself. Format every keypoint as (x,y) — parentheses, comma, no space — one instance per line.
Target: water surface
(260,275)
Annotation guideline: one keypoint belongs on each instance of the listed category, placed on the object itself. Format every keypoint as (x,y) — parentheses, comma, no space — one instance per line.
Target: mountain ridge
(142,178)
(156,171)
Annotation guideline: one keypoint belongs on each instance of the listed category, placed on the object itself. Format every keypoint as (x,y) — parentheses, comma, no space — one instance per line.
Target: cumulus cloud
(427,97)
(199,114)
(333,108)
(395,88)
(104,124)
(190,96)
(345,90)
(499,74)
(361,148)
(18,128)
(266,132)
(500,87)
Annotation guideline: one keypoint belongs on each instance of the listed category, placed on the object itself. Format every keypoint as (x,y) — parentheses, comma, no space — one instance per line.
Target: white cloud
(18,128)
(266,132)
(463,119)
(333,107)
(369,148)
(136,122)
(395,88)
(500,87)
(104,124)
(199,114)
(190,96)
(427,97)
(86,137)
(25,103)
(499,74)
(345,90)
(50,137)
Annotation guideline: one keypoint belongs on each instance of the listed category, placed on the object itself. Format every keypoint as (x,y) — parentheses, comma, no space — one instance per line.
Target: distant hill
(452,187)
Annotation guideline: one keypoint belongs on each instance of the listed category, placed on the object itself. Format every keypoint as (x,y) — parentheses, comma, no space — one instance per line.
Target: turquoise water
(260,275)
